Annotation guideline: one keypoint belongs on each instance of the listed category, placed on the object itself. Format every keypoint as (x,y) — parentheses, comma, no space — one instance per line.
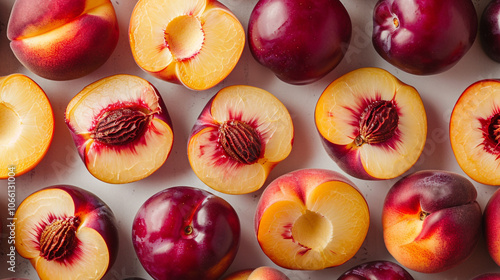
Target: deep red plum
(424,37)
(186,233)
(489,31)
(299,40)
(376,270)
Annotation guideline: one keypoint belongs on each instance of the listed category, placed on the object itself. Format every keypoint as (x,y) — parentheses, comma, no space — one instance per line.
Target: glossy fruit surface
(186,233)
(424,37)
(491,221)
(431,220)
(300,41)
(63,39)
(376,270)
(489,31)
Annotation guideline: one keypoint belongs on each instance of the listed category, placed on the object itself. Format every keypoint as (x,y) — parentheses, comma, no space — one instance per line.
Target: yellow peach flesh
(28,124)
(129,164)
(58,203)
(335,117)
(273,123)
(186,41)
(479,102)
(343,218)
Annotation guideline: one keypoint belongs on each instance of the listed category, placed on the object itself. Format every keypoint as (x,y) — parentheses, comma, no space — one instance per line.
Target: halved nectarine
(240,136)
(195,43)
(311,219)
(372,125)
(67,233)
(475,131)
(121,128)
(27,124)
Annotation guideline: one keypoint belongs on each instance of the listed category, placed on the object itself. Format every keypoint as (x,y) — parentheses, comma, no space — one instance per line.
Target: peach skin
(259,273)
(431,220)
(63,39)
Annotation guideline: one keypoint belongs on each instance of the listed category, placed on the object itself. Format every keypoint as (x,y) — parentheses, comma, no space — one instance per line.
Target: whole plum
(299,40)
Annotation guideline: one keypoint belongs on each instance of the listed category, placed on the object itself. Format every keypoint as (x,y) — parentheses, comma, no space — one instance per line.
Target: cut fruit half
(28,124)
(196,43)
(371,124)
(475,131)
(311,219)
(241,134)
(66,233)
(121,128)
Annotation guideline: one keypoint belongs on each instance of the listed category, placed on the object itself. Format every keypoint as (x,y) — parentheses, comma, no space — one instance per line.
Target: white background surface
(62,165)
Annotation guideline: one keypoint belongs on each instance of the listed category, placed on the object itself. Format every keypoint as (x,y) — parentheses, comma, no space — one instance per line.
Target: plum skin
(382,270)
(489,31)
(430,45)
(198,234)
(300,41)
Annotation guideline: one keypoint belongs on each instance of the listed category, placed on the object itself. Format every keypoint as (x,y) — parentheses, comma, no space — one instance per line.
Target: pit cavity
(184,37)
(11,125)
(312,230)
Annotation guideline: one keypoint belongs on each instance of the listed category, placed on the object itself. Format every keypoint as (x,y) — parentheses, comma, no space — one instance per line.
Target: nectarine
(431,220)
(240,136)
(27,124)
(475,131)
(311,219)
(121,128)
(371,124)
(194,43)
(63,39)
(67,233)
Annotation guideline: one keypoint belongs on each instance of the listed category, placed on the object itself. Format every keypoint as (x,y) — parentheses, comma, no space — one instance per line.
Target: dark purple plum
(186,233)
(424,37)
(376,270)
(299,40)
(489,31)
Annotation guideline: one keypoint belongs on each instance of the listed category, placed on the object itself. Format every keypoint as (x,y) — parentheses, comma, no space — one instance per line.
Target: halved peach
(311,219)
(475,131)
(372,125)
(196,43)
(66,233)
(121,128)
(240,136)
(27,124)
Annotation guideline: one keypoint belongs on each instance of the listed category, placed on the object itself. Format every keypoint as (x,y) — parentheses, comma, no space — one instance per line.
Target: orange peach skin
(329,199)
(431,220)
(260,273)
(62,39)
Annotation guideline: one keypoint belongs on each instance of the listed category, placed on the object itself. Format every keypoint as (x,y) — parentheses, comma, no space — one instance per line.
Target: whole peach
(62,39)
(431,220)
